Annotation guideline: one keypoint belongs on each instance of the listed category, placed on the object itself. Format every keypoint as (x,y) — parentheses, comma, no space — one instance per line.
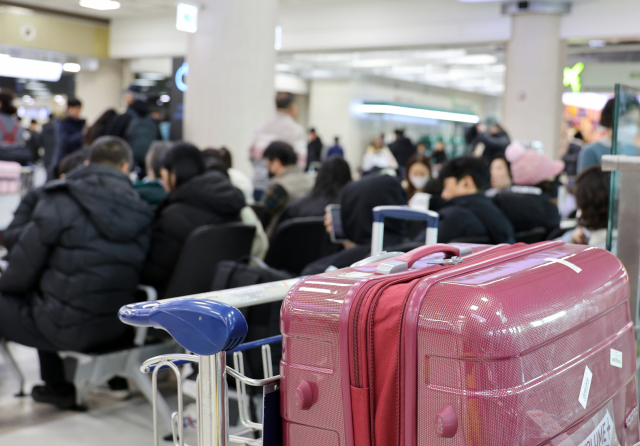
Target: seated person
(417,177)
(592,198)
(75,264)
(288,182)
(357,202)
(196,198)
(222,156)
(627,137)
(150,188)
(333,175)
(378,157)
(524,203)
(467,212)
(23,213)
(214,161)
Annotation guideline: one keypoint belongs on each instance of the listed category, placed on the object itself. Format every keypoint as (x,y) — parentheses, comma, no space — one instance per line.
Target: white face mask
(626,133)
(418,182)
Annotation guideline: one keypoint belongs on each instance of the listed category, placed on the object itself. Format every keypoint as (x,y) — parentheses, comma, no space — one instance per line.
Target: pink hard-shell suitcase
(508,345)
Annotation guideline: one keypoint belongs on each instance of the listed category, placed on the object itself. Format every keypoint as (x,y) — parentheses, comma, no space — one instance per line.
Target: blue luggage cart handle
(204,327)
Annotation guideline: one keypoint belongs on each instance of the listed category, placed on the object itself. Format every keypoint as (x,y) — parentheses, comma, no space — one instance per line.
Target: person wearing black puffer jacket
(466,212)
(75,263)
(196,198)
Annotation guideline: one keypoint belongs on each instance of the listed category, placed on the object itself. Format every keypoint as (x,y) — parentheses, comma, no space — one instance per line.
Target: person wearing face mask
(416,180)
(628,137)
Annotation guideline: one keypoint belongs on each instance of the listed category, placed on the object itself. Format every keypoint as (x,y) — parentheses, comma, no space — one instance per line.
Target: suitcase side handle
(406,261)
(402,213)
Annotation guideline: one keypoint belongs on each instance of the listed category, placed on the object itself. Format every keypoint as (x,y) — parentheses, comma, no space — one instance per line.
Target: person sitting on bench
(75,263)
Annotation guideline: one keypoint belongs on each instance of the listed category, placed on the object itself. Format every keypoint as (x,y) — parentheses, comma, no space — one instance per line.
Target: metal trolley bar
(210,325)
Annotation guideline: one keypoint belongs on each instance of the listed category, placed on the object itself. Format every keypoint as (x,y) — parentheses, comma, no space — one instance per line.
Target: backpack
(263,320)
(10,149)
(141,132)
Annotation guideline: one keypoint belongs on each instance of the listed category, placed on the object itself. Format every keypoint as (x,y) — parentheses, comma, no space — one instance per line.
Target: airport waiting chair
(296,243)
(202,251)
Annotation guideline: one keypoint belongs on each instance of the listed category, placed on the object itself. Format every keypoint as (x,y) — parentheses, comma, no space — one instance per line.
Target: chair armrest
(141,332)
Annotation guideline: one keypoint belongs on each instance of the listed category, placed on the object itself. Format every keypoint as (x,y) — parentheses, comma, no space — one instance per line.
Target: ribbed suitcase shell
(504,340)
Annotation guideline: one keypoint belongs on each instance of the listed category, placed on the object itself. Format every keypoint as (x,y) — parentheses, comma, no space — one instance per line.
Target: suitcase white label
(576,268)
(603,434)
(600,430)
(586,386)
(616,358)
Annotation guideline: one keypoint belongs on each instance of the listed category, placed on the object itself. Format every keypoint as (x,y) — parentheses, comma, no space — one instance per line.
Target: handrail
(611,163)
(247,296)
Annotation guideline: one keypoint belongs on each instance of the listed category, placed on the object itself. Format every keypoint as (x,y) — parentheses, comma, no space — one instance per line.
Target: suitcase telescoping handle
(405,261)
(402,213)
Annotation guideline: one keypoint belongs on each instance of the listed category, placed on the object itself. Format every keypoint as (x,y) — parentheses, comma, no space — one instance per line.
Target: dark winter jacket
(49,141)
(527,211)
(308,206)
(79,258)
(357,202)
(473,216)
(205,200)
(314,151)
(21,217)
(69,137)
(121,123)
(494,145)
(402,149)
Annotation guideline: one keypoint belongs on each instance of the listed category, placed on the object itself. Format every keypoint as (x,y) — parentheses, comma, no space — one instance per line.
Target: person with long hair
(418,175)
(196,197)
(101,126)
(333,175)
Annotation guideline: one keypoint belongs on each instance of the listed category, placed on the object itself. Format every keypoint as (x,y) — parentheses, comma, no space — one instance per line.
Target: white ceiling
(477,69)
(129,8)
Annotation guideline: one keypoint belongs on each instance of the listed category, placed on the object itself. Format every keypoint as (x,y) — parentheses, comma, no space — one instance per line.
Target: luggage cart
(211,329)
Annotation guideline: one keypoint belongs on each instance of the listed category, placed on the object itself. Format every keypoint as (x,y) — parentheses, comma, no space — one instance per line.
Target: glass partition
(625,140)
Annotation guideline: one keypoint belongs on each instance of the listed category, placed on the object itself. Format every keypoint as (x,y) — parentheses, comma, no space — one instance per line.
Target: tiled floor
(110,420)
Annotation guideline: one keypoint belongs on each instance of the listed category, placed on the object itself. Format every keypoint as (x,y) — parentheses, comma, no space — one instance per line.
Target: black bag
(263,320)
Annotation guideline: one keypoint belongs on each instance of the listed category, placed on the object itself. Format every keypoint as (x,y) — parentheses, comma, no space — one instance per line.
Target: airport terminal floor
(319,222)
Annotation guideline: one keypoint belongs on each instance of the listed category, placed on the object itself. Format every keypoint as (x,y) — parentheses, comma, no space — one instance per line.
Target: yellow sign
(572,77)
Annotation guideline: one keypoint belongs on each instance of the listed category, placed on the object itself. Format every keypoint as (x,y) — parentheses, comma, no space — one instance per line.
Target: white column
(100,90)
(231,75)
(532,107)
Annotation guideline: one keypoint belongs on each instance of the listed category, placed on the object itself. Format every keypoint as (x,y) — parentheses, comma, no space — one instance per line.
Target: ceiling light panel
(100,5)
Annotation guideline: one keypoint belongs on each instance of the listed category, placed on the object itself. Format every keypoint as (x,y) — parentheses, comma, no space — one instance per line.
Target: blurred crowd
(121,201)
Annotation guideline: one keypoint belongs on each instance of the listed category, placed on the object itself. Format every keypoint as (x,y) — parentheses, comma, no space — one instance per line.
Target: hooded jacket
(207,199)
(357,202)
(121,123)
(527,211)
(473,216)
(79,258)
(69,137)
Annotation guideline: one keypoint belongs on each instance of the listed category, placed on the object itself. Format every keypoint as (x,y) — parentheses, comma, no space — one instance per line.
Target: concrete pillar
(100,90)
(231,75)
(535,58)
